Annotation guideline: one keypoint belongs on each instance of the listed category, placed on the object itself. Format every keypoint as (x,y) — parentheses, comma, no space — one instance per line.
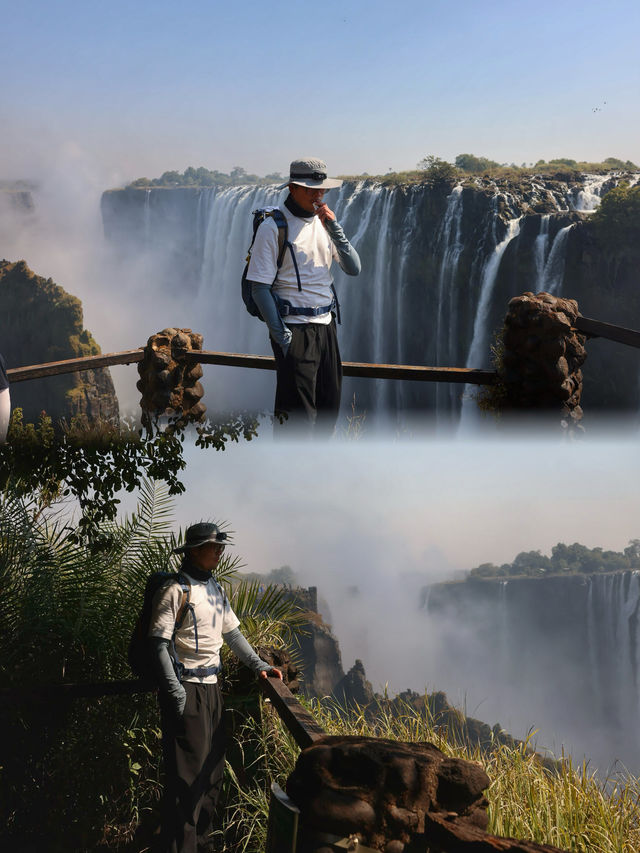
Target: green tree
(475,165)
(93,462)
(438,171)
(616,222)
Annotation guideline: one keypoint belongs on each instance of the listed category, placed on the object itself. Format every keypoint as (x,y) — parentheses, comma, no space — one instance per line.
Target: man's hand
(272,673)
(324,213)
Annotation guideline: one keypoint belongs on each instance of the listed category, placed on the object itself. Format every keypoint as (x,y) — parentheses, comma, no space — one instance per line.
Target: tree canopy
(616,222)
(564,559)
(202,177)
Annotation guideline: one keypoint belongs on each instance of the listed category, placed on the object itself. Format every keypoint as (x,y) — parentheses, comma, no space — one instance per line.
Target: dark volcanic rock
(322,661)
(40,322)
(382,789)
(354,689)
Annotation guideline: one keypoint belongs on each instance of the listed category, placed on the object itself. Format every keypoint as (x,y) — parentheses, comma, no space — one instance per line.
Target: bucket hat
(310,172)
(201,533)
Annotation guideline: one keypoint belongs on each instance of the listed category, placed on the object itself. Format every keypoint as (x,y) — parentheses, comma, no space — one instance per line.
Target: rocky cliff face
(562,649)
(40,322)
(440,264)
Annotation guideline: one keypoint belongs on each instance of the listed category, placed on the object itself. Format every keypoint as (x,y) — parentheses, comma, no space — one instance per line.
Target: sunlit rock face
(439,266)
(39,323)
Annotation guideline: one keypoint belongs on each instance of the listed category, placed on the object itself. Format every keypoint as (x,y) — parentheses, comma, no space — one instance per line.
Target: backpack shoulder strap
(185,601)
(283,241)
(283,232)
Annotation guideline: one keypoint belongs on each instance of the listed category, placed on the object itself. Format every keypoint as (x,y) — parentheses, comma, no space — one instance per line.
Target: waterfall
(540,247)
(409,235)
(227,236)
(560,653)
(553,272)
(146,218)
(479,348)
(588,198)
(450,241)
(380,282)
(613,646)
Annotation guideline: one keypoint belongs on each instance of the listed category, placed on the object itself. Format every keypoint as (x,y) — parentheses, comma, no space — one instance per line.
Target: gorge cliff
(41,322)
(564,650)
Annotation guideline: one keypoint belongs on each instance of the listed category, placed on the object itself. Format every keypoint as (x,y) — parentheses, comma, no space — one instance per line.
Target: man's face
(207,556)
(306,197)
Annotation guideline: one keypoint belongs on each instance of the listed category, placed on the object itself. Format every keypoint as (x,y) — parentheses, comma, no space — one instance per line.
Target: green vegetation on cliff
(616,222)
(431,168)
(564,559)
(40,322)
(202,177)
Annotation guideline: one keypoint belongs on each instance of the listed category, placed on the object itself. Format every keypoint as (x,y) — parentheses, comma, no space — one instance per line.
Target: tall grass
(568,807)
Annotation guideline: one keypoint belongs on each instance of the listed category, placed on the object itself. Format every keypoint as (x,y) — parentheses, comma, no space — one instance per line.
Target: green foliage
(89,768)
(438,171)
(475,165)
(202,177)
(94,461)
(564,559)
(615,163)
(616,222)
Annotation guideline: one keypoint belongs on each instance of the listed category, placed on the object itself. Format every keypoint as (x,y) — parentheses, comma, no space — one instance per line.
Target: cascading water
(553,272)
(147,218)
(614,648)
(541,246)
(558,653)
(403,328)
(588,198)
(478,351)
(446,327)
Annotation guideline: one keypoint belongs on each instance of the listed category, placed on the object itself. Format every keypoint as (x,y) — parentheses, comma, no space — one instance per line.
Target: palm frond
(268,614)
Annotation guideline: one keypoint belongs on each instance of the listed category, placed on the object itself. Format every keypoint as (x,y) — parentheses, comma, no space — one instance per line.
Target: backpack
(280,219)
(139,654)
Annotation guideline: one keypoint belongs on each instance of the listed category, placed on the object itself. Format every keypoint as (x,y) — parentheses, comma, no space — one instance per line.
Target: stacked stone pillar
(542,357)
(169,379)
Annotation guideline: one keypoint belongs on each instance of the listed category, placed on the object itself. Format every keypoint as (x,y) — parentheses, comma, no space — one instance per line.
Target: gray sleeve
(242,650)
(167,678)
(348,258)
(263,298)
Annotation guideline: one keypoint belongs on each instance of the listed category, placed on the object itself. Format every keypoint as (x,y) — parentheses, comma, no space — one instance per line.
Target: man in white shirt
(297,299)
(186,643)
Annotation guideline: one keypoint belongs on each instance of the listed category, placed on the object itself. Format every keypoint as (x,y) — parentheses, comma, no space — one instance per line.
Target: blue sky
(139,88)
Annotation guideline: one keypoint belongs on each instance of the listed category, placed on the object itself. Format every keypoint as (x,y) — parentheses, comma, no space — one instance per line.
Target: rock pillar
(168,380)
(542,356)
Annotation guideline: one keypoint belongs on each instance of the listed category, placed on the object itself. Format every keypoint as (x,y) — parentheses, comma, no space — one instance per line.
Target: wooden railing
(418,373)
(261,362)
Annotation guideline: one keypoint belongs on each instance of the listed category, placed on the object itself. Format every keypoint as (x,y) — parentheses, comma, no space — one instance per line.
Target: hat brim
(186,547)
(327,184)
